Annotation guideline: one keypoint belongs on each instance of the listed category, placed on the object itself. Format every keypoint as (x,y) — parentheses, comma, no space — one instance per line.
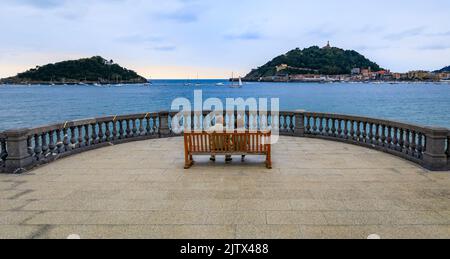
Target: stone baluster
(364,132)
(121,130)
(339,129)
(94,136)
(115,132)
(383,136)
(346,132)
(370,134)
(420,147)
(45,147)
(377,136)
(66,141)
(327,126)
(292,124)
(148,126)
(87,137)
(108,136)
(389,138)
(100,132)
(51,144)
(282,121)
(308,125)
(141,127)
(37,148)
(314,126)
(134,130)
(358,132)
(128,128)
(414,143)
(321,127)
(18,158)
(401,141)
(333,128)
(80,143)
(407,142)
(73,138)
(59,142)
(395,140)
(352,130)
(299,129)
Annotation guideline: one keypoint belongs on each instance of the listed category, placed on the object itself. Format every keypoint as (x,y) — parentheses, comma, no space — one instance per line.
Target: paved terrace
(317,189)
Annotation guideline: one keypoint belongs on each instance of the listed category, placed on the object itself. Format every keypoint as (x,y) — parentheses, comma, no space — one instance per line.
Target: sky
(183,38)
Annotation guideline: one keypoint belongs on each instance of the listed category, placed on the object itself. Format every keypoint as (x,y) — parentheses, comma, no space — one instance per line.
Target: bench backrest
(245,142)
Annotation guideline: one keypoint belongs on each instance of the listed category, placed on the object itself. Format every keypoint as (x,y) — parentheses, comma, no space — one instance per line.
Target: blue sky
(180,38)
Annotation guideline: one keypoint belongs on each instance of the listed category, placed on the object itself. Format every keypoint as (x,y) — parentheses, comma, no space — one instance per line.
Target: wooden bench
(237,143)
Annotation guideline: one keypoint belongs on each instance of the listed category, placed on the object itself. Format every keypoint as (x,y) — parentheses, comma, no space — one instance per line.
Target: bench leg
(189,161)
(269,161)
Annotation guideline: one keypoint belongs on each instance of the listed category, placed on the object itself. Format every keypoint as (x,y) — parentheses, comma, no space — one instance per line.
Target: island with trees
(94,70)
(331,64)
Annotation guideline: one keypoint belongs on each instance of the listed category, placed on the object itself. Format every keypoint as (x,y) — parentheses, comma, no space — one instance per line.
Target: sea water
(30,106)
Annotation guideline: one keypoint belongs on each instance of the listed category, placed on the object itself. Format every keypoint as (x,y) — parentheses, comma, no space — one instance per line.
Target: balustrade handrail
(22,149)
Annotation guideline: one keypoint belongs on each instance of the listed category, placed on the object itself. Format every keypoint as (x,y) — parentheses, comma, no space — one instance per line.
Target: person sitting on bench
(219,128)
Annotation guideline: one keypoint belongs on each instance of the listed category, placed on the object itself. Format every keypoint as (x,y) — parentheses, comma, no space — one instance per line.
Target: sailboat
(198,82)
(239,85)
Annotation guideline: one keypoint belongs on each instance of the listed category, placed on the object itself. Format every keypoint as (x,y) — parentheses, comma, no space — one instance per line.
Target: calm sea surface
(28,106)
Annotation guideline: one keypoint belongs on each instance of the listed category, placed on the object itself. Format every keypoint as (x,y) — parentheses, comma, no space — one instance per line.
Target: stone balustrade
(23,149)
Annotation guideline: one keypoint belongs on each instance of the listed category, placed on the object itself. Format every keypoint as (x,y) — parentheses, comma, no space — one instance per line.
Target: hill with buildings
(88,70)
(444,70)
(314,60)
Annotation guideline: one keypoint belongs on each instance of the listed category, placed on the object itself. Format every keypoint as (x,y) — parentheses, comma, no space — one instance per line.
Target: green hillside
(88,70)
(314,60)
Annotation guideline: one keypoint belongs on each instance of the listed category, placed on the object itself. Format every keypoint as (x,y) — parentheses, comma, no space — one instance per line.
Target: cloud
(435,47)
(42,4)
(165,48)
(417,31)
(139,38)
(370,28)
(183,16)
(245,36)
(321,33)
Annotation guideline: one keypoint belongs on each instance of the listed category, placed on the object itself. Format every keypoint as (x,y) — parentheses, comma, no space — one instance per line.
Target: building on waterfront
(356,71)
(282,67)
(419,75)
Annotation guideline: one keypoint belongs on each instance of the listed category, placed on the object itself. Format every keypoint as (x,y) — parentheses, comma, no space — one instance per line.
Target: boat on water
(220,84)
(239,85)
(233,85)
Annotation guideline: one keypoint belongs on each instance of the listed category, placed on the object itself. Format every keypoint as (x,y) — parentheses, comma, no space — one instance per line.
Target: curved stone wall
(23,149)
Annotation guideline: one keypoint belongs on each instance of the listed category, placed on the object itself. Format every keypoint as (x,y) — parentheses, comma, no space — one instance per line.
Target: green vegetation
(88,70)
(314,60)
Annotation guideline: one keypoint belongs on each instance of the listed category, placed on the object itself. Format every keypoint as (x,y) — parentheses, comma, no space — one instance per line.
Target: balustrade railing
(3,151)
(25,148)
(405,140)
